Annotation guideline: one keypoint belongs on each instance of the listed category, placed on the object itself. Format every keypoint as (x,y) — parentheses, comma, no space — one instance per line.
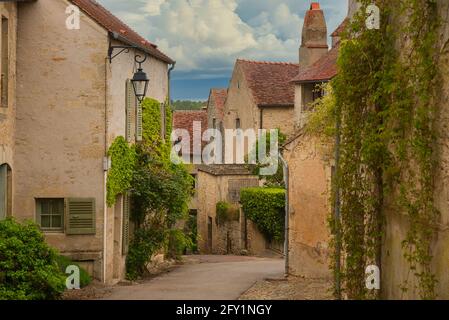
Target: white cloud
(206,36)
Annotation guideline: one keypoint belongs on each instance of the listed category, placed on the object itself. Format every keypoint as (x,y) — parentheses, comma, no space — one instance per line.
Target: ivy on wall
(227,212)
(161,191)
(383,102)
(123,159)
(266,208)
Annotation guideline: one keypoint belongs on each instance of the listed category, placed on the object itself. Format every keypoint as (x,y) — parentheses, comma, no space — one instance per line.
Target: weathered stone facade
(309,186)
(70,108)
(8,45)
(223,183)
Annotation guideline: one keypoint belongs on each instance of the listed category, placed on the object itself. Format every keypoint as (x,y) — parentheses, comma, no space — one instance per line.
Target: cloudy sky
(206,36)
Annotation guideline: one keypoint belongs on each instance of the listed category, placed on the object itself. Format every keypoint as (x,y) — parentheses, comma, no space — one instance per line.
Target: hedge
(266,208)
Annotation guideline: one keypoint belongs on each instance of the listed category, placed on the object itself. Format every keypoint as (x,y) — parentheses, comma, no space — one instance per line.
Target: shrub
(63,262)
(147,240)
(227,212)
(28,268)
(266,208)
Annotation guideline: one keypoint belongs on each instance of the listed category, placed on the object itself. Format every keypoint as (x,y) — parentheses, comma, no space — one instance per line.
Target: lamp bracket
(121,49)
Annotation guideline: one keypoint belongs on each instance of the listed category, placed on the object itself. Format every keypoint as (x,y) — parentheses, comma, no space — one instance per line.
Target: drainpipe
(105,166)
(337,213)
(164,111)
(287,215)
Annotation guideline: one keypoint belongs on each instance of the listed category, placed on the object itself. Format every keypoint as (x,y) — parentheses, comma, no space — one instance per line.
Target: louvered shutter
(80,216)
(130,103)
(139,124)
(125,232)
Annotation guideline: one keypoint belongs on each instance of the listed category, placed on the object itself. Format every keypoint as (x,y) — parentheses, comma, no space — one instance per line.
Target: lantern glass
(140,83)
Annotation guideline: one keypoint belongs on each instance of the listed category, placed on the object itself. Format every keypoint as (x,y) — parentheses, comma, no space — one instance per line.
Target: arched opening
(5,191)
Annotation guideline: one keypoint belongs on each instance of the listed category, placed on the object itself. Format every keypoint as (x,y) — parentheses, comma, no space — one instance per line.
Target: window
(50,214)
(74,216)
(194,183)
(214,123)
(317,92)
(237,123)
(5,63)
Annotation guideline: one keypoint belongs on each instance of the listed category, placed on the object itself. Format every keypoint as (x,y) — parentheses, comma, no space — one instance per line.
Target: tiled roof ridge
(269,62)
(96,3)
(114,25)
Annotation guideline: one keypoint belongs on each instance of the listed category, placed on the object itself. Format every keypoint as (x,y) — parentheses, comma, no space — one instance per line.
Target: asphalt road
(204,278)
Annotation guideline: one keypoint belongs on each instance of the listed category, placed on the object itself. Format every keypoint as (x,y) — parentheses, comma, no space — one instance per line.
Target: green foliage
(227,212)
(276,180)
(123,158)
(63,262)
(383,102)
(191,230)
(321,121)
(266,208)
(28,269)
(178,242)
(161,191)
(187,105)
(147,240)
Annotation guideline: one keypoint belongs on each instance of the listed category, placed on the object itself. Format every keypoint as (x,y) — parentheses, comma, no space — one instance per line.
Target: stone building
(194,122)
(261,96)
(8,105)
(309,164)
(222,183)
(74,99)
(215,108)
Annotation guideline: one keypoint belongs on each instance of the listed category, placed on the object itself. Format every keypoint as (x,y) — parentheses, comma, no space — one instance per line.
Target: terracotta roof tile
(322,70)
(219,96)
(114,25)
(340,28)
(270,82)
(184,119)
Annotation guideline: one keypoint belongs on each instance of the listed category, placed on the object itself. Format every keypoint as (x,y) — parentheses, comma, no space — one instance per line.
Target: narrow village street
(204,278)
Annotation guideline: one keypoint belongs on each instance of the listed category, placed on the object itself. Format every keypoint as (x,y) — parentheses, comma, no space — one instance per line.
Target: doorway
(209,234)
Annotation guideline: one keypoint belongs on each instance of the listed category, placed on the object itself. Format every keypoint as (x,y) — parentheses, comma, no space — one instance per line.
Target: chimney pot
(315,6)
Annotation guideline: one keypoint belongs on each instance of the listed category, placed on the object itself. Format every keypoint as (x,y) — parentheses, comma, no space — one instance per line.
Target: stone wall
(233,237)
(309,185)
(8,112)
(395,269)
(70,108)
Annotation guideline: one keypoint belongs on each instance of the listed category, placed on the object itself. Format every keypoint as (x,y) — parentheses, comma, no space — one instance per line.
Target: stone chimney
(314,36)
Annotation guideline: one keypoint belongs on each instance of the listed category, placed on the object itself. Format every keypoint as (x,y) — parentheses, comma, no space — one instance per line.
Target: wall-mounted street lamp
(140,80)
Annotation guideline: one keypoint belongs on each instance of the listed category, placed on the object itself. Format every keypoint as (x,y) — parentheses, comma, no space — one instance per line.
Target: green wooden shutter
(3,190)
(80,216)
(125,232)
(130,103)
(139,124)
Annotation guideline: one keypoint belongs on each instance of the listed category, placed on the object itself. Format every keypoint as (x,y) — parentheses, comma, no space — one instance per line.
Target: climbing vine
(383,102)
(161,191)
(123,158)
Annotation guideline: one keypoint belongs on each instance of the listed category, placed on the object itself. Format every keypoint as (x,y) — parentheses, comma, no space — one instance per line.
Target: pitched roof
(184,119)
(322,70)
(270,82)
(219,96)
(340,28)
(114,25)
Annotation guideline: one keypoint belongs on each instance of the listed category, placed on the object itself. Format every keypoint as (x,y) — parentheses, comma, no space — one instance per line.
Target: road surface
(204,278)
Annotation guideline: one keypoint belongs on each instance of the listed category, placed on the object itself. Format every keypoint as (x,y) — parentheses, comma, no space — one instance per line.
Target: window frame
(39,214)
